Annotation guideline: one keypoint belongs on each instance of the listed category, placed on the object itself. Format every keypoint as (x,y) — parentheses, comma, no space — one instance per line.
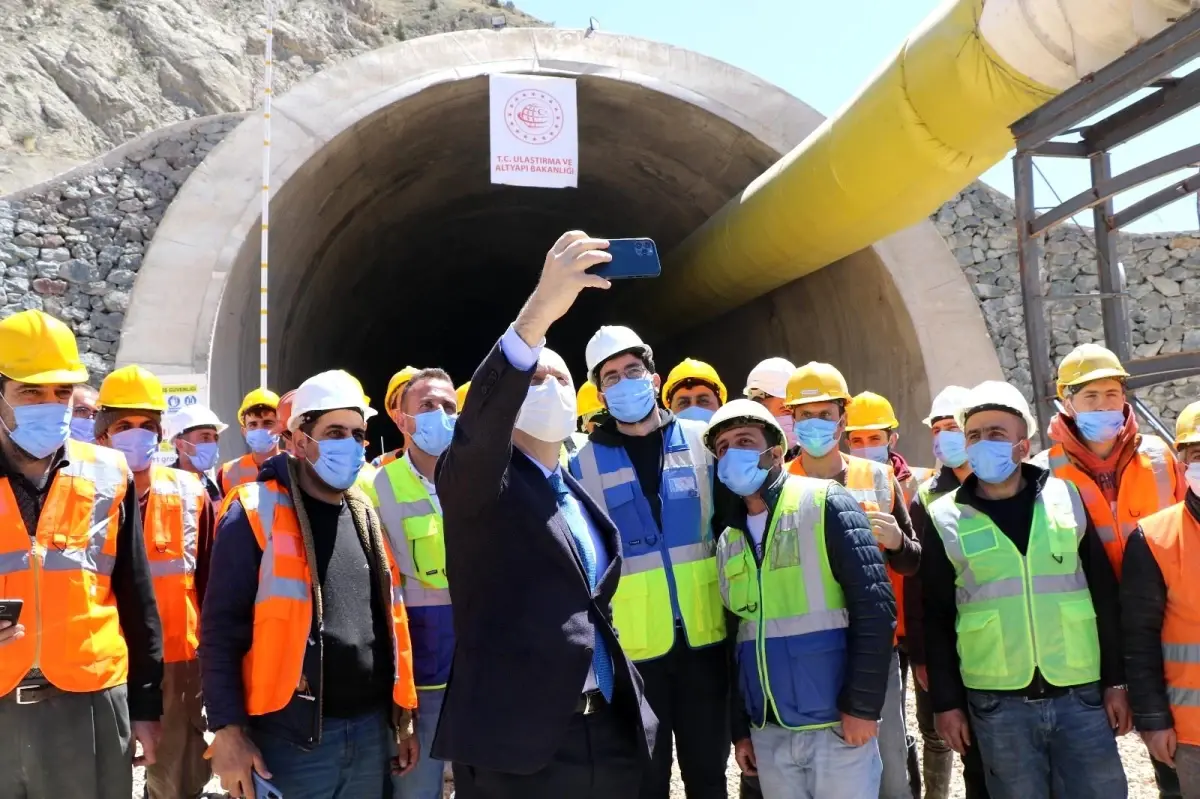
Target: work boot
(937,768)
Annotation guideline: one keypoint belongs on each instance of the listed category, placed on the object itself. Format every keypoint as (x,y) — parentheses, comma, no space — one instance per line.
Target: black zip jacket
(132,586)
(857,564)
(944,482)
(1014,518)
(1143,606)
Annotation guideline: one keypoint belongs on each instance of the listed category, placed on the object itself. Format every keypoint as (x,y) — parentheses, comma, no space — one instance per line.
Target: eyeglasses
(635,371)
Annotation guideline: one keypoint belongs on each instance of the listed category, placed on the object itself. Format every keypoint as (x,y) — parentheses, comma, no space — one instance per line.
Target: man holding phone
(650,472)
(80,674)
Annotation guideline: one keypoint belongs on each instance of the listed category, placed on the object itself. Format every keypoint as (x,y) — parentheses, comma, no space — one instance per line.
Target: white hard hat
(744,410)
(994,393)
(328,391)
(189,418)
(770,377)
(611,340)
(947,403)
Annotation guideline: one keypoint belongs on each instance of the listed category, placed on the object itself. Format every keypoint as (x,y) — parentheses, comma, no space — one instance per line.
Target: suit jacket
(525,619)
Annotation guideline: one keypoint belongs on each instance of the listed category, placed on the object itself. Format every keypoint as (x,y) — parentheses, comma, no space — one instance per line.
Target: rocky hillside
(82,76)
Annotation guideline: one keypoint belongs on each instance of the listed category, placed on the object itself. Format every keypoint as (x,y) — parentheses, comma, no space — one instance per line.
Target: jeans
(893,738)
(688,689)
(424,781)
(815,764)
(1035,748)
(352,761)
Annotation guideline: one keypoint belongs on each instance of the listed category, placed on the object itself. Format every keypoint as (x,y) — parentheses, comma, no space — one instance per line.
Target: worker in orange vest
(1122,475)
(308,675)
(177,524)
(257,416)
(818,398)
(81,652)
(1160,615)
(391,404)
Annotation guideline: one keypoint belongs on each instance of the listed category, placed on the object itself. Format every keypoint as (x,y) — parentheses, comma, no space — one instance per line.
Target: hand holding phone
(10,610)
(631,258)
(264,789)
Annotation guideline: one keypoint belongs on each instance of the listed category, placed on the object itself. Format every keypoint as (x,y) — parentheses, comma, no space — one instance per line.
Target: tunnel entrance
(390,246)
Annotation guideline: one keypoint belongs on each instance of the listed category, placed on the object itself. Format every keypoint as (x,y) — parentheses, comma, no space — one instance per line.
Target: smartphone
(10,610)
(264,789)
(630,258)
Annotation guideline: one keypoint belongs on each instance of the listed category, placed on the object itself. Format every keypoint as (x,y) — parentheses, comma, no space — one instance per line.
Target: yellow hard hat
(691,369)
(587,401)
(132,387)
(870,411)
(1086,363)
(256,398)
(460,394)
(816,382)
(1187,426)
(396,383)
(37,348)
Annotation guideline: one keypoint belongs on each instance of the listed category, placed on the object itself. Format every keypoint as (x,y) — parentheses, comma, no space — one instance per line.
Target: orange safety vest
(1174,538)
(63,574)
(238,472)
(1148,484)
(172,531)
(273,668)
(871,484)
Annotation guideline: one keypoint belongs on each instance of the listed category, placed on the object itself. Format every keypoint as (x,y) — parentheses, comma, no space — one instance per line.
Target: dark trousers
(1168,778)
(688,689)
(598,760)
(75,745)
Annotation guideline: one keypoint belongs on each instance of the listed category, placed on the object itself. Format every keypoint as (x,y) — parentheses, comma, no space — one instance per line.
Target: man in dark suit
(541,701)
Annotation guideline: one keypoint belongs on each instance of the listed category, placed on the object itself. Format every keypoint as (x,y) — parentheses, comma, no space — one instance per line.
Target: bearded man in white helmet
(541,703)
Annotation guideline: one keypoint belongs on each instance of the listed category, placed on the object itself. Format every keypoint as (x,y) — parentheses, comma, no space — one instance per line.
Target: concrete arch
(390,246)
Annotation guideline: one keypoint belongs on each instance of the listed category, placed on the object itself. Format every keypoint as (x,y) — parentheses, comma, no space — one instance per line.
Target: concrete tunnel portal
(390,246)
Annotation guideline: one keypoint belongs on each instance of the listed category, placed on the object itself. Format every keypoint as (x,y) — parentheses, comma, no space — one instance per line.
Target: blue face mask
(817,437)
(738,469)
(435,431)
(877,454)
(261,440)
(83,430)
(950,447)
(1100,426)
(992,461)
(696,413)
(630,400)
(41,429)
(340,462)
(138,445)
(204,456)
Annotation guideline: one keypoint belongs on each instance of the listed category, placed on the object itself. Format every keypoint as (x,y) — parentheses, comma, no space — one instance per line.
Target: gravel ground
(1133,755)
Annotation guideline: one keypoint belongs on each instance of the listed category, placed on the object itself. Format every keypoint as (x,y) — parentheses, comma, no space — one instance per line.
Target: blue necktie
(601,662)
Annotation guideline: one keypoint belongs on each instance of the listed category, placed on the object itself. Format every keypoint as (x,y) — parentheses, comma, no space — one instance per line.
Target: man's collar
(57,461)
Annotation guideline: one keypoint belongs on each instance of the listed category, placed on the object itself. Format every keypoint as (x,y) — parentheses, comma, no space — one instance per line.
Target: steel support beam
(1029,256)
(1173,47)
(1113,309)
(1101,191)
(1061,149)
(1144,115)
(1150,204)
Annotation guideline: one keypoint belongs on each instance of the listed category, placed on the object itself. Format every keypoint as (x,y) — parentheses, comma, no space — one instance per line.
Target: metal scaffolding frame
(1038,134)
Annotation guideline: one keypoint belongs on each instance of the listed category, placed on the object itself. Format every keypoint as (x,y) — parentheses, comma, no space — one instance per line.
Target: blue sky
(822,52)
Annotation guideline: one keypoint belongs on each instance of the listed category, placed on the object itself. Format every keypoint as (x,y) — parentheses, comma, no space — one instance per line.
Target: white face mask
(1192,475)
(548,413)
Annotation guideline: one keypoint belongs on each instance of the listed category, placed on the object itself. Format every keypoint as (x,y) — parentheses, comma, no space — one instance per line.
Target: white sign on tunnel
(535,131)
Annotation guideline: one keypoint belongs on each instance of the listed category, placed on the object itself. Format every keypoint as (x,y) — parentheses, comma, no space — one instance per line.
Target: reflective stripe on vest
(1173,536)
(665,574)
(791,638)
(413,528)
(238,472)
(63,574)
(273,669)
(1147,486)
(171,529)
(1017,613)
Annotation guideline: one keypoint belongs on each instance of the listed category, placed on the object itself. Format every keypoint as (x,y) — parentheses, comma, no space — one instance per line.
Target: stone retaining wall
(1162,274)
